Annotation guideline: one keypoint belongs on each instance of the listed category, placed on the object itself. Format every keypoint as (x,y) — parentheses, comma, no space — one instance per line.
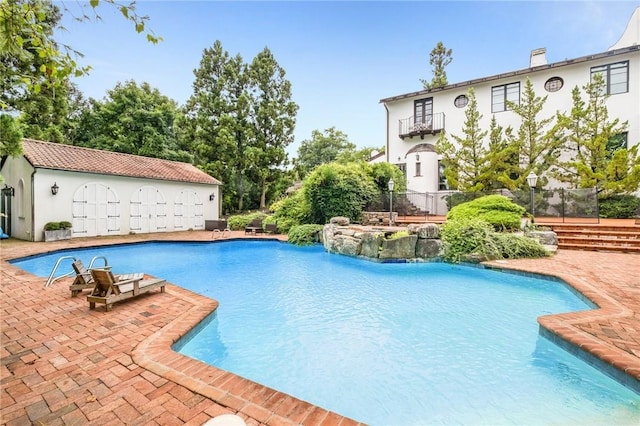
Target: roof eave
(467,83)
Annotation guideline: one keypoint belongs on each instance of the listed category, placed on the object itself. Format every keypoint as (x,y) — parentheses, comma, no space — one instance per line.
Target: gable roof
(57,156)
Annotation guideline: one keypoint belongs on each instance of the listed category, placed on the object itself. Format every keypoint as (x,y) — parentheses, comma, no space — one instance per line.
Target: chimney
(538,57)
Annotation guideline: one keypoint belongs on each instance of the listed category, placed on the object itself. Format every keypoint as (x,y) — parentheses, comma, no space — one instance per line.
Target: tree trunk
(263,196)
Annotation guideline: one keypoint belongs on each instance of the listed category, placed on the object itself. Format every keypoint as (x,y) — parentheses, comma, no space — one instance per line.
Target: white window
(501,94)
(616,77)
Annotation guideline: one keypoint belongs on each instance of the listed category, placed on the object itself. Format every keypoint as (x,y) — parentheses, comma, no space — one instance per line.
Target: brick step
(601,247)
(633,229)
(586,240)
(602,235)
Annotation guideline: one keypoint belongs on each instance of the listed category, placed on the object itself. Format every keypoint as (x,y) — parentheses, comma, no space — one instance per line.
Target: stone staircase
(598,237)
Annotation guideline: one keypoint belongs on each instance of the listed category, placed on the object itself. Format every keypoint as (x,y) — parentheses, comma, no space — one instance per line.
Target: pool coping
(269,406)
(561,328)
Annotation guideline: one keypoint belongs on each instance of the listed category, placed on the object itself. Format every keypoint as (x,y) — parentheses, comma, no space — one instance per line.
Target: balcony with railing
(420,126)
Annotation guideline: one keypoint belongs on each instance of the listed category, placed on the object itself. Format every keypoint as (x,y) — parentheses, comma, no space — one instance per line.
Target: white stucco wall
(29,224)
(17,174)
(625,106)
(59,207)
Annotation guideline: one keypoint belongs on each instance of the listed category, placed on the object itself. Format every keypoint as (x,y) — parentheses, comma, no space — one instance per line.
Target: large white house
(415,120)
(102,192)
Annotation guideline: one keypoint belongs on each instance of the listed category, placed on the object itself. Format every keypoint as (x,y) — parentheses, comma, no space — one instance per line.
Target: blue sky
(341,57)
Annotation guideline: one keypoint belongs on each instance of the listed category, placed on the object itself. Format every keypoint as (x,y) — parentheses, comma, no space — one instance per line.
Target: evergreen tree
(502,158)
(466,161)
(240,119)
(208,123)
(536,146)
(594,153)
(273,116)
(439,58)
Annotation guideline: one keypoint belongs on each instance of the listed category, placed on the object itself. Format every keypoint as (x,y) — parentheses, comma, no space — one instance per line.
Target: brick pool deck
(64,364)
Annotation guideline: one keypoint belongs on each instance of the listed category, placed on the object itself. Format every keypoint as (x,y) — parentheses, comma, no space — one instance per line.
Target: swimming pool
(381,343)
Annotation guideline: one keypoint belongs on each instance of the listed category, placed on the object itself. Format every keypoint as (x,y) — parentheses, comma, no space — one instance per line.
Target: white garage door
(96,211)
(188,211)
(148,210)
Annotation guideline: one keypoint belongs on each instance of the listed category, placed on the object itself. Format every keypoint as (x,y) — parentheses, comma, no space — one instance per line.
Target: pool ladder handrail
(51,279)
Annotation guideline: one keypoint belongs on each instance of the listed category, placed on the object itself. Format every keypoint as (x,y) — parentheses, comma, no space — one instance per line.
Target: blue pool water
(381,343)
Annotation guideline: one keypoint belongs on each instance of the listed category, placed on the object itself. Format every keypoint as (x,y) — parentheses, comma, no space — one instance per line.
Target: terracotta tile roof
(48,155)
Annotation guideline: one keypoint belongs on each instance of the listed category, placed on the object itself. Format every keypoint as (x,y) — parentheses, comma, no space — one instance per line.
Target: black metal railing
(565,205)
(420,126)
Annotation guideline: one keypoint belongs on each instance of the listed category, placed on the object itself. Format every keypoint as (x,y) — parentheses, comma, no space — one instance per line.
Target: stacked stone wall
(377,218)
(422,241)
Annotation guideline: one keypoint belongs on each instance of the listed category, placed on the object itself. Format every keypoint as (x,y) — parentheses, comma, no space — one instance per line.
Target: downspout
(387,137)
(33,205)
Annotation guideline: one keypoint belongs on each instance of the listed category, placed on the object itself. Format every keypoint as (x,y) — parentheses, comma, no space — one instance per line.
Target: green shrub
(65,225)
(240,221)
(497,210)
(514,246)
(290,211)
(52,226)
(303,235)
(461,238)
(619,206)
(338,190)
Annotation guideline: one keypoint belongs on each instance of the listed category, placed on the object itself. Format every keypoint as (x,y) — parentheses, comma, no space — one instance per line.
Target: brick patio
(65,364)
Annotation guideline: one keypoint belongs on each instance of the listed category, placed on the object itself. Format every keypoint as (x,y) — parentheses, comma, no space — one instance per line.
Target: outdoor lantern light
(532,180)
(212,197)
(8,190)
(54,188)
(390,185)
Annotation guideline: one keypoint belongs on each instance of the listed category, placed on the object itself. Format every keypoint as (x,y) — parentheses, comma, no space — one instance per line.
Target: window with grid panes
(616,77)
(501,94)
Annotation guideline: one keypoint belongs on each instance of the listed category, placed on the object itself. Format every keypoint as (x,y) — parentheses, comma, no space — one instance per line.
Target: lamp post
(390,186)
(532,180)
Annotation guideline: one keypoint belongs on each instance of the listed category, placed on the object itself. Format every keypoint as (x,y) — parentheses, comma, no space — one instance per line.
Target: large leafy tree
(466,166)
(536,144)
(134,119)
(594,153)
(323,147)
(26,37)
(439,58)
(273,117)
(42,112)
(10,136)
